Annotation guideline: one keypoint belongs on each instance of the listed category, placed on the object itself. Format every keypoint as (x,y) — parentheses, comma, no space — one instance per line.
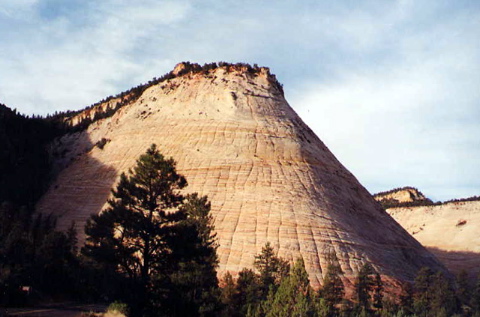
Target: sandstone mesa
(268,176)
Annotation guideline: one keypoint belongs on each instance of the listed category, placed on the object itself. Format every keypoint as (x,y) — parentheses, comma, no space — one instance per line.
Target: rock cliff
(268,176)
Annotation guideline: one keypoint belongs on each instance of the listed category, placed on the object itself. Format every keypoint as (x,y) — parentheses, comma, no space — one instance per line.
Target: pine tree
(422,287)
(406,298)
(443,300)
(228,295)
(322,308)
(161,246)
(363,286)
(247,291)
(377,292)
(33,253)
(332,290)
(271,268)
(475,301)
(464,293)
(294,296)
(194,260)
(434,294)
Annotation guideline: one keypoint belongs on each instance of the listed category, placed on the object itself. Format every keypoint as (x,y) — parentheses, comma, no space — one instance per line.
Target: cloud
(390,87)
(411,118)
(14,8)
(64,66)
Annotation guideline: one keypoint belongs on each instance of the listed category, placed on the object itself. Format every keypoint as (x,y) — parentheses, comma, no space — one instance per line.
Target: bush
(101,144)
(118,307)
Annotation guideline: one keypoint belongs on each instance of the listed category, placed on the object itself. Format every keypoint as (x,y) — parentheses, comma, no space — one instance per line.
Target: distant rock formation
(268,176)
(401,197)
(448,229)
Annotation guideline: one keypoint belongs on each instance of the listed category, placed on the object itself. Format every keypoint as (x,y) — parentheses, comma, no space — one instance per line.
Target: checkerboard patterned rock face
(268,176)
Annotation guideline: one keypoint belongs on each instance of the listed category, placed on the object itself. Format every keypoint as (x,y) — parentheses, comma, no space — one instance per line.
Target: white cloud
(411,119)
(60,67)
(391,87)
(14,8)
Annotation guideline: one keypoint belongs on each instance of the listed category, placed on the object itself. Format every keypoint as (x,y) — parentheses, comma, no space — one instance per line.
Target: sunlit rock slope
(268,176)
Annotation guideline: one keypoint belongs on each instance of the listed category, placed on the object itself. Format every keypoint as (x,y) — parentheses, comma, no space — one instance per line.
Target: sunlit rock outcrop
(268,176)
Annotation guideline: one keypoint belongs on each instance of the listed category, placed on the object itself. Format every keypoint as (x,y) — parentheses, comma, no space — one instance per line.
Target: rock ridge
(79,120)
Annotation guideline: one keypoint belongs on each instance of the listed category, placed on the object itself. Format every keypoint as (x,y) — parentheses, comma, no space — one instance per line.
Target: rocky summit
(405,195)
(268,176)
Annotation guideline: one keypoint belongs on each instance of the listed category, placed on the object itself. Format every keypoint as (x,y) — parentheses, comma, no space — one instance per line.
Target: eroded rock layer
(268,176)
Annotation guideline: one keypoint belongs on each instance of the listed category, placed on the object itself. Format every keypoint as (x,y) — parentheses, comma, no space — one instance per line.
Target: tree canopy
(159,240)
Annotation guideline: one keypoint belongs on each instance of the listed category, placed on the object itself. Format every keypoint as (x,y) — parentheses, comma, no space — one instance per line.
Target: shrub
(118,307)
(101,144)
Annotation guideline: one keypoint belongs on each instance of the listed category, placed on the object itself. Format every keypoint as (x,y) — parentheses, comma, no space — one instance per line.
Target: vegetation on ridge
(394,190)
(134,93)
(24,158)
(63,118)
(394,203)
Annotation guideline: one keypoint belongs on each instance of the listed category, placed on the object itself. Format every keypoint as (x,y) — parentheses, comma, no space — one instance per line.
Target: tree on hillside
(463,290)
(150,233)
(272,269)
(475,300)
(422,286)
(434,294)
(364,285)
(406,298)
(193,261)
(33,254)
(377,291)
(294,296)
(443,300)
(332,290)
(228,295)
(247,292)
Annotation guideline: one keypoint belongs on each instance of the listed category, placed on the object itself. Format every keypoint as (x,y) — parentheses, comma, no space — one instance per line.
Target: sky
(391,87)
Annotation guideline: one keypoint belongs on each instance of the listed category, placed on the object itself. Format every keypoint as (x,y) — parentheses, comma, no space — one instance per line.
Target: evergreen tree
(162,247)
(434,294)
(228,295)
(194,260)
(422,287)
(406,299)
(332,290)
(322,308)
(247,292)
(475,301)
(363,286)
(464,293)
(294,297)
(271,268)
(443,300)
(33,254)
(377,292)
